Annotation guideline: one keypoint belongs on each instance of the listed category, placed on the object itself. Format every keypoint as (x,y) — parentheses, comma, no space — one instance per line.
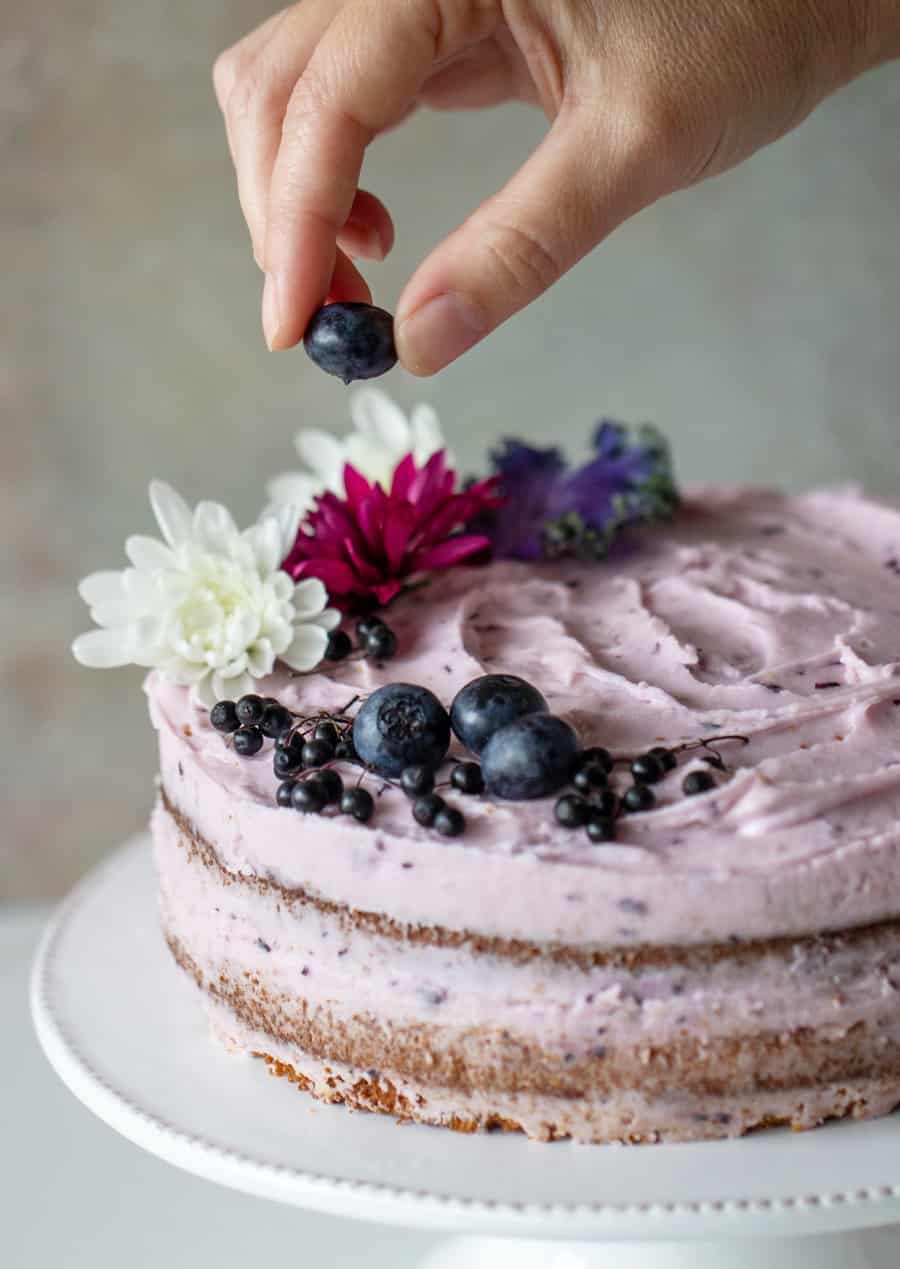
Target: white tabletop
(77,1196)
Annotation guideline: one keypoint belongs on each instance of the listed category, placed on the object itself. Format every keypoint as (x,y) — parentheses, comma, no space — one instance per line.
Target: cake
(551,802)
(730,961)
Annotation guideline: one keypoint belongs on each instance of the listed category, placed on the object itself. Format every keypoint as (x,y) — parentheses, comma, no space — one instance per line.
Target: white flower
(210,606)
(383,437)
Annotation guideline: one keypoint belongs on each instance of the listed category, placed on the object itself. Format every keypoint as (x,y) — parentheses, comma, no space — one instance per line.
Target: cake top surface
(771,617)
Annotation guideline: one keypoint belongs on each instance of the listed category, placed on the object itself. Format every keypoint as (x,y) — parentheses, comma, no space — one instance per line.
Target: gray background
(755,318)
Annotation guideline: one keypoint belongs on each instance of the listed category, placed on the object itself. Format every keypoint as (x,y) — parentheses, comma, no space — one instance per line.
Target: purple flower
(551,510)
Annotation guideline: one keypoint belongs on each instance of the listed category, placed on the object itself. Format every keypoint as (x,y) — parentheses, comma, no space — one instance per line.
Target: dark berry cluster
(595,807)
(401,735)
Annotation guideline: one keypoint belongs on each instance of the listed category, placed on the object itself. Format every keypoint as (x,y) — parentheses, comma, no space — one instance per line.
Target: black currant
(426,809)
(588,778)
(326,731)
(647,770)
(247,741)
(640,797)
(339,646)
(596,756)
(600,828)
(275,721)
(359,803)
(292,741)
(365,626)
(667,758)
(344,750)
(381,643)
(329,783)
(223,716)
(450,822)
(605,803)
(306,796)
(416,780)
(698,782)
(286,762)
(250,709)
(317,752)
(571,811)
(285,792)
(467,777)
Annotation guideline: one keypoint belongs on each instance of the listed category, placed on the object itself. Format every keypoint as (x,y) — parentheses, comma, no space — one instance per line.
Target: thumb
(561,203)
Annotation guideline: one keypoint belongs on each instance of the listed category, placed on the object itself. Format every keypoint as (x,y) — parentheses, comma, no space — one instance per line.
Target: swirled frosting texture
(773,617)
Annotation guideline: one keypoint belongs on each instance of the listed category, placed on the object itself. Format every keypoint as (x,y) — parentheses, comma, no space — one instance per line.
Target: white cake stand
(122,1028)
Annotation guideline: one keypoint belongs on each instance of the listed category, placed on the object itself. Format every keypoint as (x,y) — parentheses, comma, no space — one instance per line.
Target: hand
(645,97)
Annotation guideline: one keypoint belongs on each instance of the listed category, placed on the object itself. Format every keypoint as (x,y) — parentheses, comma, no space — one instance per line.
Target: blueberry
(401,725)
(381,643)
(223,716)
(339,646)
(425,810)
(698,782)
(467,777)
(316,753)
(249,709)
(590,777)
(351,340)
(359,803)
(647,770)
(666,757)
(344,750)
(640,797)
(485,705)
(600,828)
(247,741)
(529,758)
(604,802)
(572,811)
(329,784)
(284,793)
(287,762)
(417,780)
(275,721)
(306,796)
(596,756)
(449,822)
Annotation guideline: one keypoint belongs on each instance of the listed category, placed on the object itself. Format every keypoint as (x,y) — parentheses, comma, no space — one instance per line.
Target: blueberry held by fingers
(351,340)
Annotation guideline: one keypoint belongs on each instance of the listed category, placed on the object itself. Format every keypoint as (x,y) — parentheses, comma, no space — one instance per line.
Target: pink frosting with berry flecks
(774,617)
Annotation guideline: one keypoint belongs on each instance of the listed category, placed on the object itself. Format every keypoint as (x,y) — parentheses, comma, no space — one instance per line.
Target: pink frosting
(755,613)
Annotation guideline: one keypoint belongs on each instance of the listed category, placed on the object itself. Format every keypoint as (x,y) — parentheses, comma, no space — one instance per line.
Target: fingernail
(438,332)
(271,319)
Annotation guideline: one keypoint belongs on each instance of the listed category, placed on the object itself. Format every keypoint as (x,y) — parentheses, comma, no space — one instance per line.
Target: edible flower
(550,510)
(209,606)
(382,439)
(366,546)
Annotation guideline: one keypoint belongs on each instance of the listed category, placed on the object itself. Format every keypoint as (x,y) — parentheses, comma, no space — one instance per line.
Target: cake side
(688,1047)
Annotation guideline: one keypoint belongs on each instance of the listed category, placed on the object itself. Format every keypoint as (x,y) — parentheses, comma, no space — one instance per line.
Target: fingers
(570,194)
(362,77)
(253,83)
(368,231)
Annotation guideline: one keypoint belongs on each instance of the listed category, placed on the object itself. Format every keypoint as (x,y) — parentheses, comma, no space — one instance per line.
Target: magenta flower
(366,546)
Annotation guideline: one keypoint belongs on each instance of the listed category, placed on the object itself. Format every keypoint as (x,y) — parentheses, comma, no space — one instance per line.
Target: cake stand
(122,1027)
